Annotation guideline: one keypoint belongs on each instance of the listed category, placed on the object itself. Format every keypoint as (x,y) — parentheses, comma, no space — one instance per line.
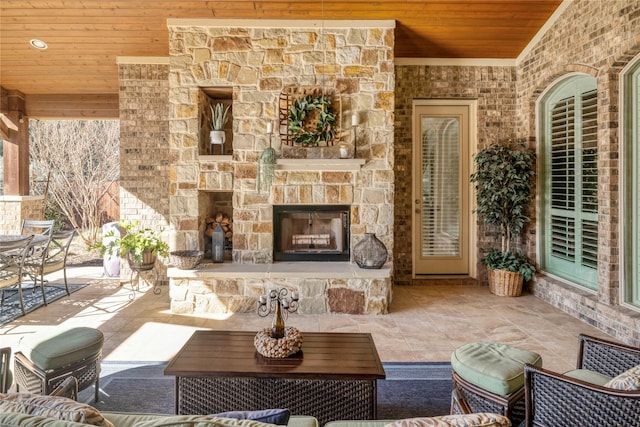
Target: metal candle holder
(277,303)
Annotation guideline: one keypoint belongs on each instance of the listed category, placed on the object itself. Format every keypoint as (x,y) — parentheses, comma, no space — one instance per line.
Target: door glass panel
(440,186)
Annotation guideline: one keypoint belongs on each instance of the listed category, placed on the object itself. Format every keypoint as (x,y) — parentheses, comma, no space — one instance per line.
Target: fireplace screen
(311,233)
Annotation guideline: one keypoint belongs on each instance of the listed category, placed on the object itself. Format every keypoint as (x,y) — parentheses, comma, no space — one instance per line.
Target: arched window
(569,181)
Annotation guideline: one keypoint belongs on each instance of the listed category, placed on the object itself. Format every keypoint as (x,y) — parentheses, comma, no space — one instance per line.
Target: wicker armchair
(557,400)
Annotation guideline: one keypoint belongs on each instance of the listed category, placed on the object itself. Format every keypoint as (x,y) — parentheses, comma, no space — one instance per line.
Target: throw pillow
(57,407)
(629,380)
(270,416)
(13,419)
(461,420)
(199,421)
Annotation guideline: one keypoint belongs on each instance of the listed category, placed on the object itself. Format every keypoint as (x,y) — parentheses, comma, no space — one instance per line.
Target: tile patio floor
(425,323)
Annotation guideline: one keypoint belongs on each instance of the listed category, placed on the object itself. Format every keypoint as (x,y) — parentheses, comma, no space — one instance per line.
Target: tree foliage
(504,180)
(80,160)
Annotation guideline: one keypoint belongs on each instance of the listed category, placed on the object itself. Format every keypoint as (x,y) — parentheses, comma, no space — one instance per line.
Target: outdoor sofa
(31,410)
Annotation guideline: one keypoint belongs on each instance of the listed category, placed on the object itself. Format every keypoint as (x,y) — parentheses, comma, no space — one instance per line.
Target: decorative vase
(217,244)
(370,252)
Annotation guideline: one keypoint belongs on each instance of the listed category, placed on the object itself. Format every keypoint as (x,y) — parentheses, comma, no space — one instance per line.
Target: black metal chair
(55,258)
(13,254)
(558,400)
(33,265)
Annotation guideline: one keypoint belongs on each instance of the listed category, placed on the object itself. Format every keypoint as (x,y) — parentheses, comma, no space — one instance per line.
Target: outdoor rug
(10,309)
(410,389)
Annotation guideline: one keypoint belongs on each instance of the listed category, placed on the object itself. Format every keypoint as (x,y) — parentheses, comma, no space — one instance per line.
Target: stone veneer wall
(258,60)
(144,147)
(494,88)
(597,38)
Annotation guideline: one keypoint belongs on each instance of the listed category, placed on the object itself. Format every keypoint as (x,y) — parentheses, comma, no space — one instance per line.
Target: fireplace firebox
(311,232)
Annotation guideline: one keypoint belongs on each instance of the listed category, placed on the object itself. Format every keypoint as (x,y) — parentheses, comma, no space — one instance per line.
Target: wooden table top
(324,356)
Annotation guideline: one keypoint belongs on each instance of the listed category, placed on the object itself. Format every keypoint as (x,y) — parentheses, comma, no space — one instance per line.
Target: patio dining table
(37,238)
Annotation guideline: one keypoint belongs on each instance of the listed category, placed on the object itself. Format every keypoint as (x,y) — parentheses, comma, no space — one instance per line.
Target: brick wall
(13,209)
(493,87)
(598,38)
(144,149)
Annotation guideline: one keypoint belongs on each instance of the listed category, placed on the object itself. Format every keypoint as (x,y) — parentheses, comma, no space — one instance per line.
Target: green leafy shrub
(134,241)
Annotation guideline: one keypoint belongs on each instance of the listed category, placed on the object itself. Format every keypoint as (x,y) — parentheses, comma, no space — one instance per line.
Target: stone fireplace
(249,65)
(311,233)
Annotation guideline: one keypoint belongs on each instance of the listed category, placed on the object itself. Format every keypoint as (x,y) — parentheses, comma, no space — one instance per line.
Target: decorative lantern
(370,252)
(217,244)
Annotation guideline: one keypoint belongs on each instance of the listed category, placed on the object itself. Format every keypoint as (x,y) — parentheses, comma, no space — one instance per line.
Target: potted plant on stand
(140,246)
(504,179)
(219,118)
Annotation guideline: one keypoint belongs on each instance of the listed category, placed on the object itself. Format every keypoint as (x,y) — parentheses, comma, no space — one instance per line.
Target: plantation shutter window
(570,185)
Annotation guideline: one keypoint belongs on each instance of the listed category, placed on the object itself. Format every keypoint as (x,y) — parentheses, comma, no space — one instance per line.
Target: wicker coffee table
(332,378)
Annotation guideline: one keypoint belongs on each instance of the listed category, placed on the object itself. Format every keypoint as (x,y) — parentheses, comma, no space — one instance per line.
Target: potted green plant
(504,179)
(140,245)
(219,118)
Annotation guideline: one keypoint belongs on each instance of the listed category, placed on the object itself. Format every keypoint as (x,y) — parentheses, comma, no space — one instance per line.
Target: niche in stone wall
(210,97)
(215,207)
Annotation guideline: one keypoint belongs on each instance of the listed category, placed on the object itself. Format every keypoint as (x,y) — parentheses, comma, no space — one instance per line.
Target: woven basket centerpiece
(267,346)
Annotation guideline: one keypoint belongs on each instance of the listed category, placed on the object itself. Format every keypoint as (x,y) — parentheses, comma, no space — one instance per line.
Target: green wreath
(324,130)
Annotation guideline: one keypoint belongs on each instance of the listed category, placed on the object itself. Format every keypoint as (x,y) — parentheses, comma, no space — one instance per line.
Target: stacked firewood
(225,222)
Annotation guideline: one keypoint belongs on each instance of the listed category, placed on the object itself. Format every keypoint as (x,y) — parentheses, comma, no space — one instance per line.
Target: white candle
(285,302)
(354,119)
(263,300)
(294,296)
(269,127)
(344,151)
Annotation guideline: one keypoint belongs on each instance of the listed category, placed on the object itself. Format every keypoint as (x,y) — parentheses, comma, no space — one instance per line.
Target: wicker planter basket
(505,283)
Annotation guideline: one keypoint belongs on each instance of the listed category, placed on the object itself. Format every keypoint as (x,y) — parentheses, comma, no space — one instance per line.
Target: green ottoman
(46,359)
(489,377)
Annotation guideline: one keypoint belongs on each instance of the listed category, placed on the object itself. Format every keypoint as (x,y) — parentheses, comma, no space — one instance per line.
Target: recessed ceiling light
(38,44)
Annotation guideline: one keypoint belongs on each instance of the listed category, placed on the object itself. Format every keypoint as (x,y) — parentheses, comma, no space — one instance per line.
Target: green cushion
(588,376)
(57,348)
(494,367)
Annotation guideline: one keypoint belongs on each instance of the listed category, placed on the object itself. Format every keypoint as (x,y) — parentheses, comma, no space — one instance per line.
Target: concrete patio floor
(425,323)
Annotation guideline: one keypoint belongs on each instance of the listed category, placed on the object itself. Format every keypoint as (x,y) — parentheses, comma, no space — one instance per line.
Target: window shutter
(571,185)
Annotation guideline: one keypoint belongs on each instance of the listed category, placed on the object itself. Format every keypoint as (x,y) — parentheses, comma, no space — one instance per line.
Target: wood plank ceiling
(86,36)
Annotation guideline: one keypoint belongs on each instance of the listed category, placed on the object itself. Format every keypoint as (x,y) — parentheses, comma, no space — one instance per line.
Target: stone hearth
(324,287)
